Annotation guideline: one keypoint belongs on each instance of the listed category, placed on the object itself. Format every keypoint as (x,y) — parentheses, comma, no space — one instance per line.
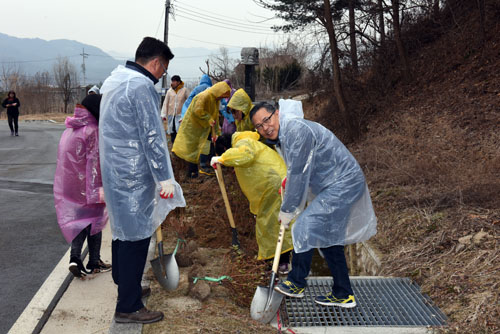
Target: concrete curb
(38,311)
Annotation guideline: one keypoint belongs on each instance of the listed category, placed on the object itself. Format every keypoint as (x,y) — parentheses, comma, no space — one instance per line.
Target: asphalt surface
(31,243)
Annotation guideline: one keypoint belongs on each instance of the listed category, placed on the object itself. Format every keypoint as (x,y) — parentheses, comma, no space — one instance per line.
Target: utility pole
(84,55)
(165,40)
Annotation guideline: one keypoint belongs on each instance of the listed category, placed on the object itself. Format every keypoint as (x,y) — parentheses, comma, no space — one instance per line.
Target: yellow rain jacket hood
(241,101)
(195,126)
(259,170)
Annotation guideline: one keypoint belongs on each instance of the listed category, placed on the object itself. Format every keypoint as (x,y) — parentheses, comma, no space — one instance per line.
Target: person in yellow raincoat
(196,126)
(260,170)
(241,104)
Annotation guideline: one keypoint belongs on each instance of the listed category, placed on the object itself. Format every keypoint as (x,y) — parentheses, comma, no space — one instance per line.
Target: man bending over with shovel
(139,185)
(259,170)
(321,170)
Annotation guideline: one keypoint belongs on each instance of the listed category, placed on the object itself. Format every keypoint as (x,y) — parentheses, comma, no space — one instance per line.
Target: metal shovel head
(265,304)
(168,278)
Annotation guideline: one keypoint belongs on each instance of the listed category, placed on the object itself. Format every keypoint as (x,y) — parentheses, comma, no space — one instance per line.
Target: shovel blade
(265,304)
(166,273)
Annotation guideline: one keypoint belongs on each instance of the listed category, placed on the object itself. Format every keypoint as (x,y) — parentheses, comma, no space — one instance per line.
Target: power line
(223,19)
(218,21)
(161,20)
(228,25)
(225,27)
(218,15)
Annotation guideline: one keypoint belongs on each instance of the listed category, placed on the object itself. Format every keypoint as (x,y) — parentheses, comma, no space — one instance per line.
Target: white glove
(214,161)
(285,218)
(167,188)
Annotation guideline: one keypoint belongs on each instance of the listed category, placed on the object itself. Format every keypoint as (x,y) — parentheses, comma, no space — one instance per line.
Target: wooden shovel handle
(159,235)
(277,254)
(222,186)
(281,237)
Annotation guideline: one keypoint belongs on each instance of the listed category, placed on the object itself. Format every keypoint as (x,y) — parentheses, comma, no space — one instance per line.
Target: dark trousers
(93,242)
(129,259)
(192,170)
(174,132)
(334,256)
(12,118)
(205,158)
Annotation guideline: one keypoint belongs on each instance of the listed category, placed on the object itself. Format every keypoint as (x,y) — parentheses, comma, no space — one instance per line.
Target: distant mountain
(33,55)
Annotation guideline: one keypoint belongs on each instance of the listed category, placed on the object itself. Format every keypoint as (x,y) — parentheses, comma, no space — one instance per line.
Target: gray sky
(120,25)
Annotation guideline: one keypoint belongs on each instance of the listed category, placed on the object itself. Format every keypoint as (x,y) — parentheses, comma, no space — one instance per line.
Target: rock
(459,247)
(196,271)
(184,256)
(191,246)
(183,259)
(478,237)
(200,257)
(200,290)
(465,240)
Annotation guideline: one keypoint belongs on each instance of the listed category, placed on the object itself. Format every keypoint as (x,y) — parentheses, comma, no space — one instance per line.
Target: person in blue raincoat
(139,185)
(205,82)
(322,172)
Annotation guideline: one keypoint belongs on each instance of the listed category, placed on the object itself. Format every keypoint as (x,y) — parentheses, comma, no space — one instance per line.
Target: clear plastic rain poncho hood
(321,171)
(195,128)
(78,177)
(134,156)
(242,102)
(205,82)
(259,170)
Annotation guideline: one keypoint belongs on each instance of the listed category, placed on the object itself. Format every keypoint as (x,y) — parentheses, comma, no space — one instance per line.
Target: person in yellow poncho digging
(241,104)
(200,117)
(259,170)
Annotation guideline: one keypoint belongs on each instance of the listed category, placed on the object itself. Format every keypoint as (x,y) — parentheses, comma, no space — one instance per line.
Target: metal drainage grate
(381,302)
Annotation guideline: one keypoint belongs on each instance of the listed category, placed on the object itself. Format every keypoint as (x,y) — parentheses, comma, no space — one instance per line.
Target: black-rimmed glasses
(264,121)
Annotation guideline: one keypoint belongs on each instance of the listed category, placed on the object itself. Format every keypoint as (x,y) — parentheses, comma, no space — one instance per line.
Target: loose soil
(431,155)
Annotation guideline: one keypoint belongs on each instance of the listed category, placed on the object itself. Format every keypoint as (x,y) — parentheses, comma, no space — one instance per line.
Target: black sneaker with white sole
(77,269)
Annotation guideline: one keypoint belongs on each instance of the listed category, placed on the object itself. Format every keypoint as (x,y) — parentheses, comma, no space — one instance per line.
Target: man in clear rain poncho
(197,123)
(321,171)
(139,185)
(259,170)
(241,104)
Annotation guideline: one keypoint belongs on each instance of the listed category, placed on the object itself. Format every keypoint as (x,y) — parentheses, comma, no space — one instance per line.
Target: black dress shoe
(143,316)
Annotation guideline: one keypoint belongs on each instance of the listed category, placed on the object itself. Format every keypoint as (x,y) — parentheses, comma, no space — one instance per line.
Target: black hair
(223,143)
(269,107)
(175,78)
(151,48)
(92,103)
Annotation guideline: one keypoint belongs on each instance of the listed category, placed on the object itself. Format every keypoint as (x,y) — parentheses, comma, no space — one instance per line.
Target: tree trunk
(352,34)
(397,37)
(337,83)
(381,23)
(435,10)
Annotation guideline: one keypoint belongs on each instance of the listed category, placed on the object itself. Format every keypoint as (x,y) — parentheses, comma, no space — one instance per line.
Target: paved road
(31,243)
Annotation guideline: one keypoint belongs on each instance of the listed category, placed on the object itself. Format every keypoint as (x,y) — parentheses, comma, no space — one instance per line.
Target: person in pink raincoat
(78,195)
